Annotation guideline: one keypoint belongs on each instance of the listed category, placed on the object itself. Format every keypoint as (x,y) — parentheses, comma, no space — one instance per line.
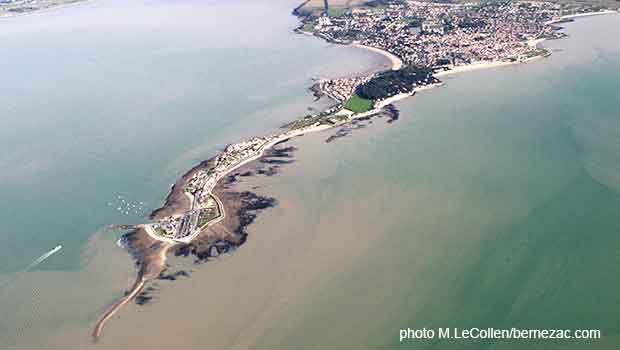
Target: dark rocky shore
(390,112)
(176,201)
(241,208)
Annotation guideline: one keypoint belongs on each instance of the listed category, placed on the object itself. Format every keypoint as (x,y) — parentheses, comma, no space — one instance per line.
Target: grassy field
(161,232)
(335,7)
(309,28)
(358,104)
(336,12)
(208,215)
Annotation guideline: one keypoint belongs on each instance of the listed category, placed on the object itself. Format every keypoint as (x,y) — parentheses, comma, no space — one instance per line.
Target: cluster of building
(187,225)
(434,34)
(203,181)
(167,227)
(341,89)
(204,207)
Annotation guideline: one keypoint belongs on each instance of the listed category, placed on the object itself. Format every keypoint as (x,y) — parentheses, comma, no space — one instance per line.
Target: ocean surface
(492,202)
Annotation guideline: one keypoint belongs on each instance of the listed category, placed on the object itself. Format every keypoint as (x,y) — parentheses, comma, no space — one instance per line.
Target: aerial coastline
(28,7)
(202,215)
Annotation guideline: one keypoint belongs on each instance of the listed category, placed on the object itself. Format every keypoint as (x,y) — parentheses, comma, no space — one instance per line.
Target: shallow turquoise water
(114,98)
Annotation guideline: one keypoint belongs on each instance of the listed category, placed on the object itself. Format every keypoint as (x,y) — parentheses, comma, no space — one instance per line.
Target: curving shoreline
(397,63)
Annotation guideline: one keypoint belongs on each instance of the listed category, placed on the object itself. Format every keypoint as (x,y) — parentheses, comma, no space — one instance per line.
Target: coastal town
(443,36)
(421,39)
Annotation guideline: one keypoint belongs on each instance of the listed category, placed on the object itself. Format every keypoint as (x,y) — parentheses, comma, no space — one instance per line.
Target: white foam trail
(43,257)
(17,275)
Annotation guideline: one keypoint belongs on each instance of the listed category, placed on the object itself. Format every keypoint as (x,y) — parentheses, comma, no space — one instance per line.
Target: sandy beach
(567,17)
(402,96)
(475,66)
(397,63)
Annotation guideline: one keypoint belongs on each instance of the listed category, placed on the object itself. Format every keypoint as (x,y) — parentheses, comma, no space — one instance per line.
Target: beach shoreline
(579,15)
(475,66)
(396,62)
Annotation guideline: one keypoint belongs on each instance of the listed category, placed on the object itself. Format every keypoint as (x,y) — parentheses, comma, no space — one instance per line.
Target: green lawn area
(336,12)
(160,231)
(358,104)
(309,28)
(208,215)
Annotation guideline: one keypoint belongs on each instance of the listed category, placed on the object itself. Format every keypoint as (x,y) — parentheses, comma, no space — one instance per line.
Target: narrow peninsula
(204,217)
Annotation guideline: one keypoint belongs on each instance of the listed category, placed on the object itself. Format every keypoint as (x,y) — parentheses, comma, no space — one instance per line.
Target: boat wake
(43,257)
(35,263)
